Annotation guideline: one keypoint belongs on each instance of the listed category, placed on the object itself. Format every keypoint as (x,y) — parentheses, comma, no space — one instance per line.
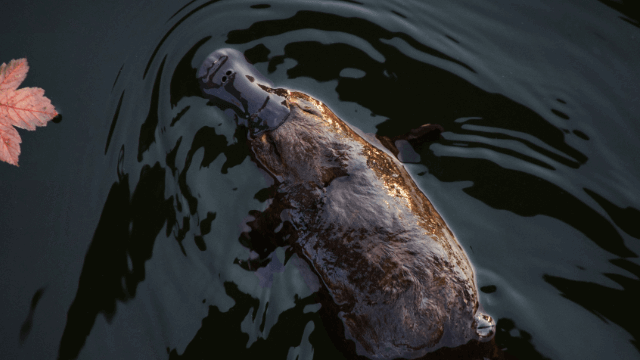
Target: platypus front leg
(265,231)
(404,146)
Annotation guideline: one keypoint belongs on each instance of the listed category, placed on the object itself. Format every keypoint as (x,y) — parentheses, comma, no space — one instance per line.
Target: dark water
(119,234)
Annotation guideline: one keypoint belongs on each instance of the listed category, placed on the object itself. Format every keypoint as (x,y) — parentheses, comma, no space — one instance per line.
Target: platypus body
(402,285)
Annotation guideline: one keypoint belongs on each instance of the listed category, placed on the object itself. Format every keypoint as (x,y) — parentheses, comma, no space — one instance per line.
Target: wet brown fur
(391,269)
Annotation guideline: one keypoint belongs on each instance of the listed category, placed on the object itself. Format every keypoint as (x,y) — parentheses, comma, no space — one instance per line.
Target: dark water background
(119,234)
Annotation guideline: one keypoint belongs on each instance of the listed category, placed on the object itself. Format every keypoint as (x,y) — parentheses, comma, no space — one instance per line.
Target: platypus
(402,285)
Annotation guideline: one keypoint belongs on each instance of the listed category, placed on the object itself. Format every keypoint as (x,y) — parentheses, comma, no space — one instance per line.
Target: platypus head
(226,76)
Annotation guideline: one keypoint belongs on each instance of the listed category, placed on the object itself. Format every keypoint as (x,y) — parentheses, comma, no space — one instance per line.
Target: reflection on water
(28,322)
(283,340)
(194,184)
(115,262)
(630,9)
(616,305)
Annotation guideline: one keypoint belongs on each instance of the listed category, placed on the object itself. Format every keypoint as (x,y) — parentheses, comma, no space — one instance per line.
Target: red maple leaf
(25,108)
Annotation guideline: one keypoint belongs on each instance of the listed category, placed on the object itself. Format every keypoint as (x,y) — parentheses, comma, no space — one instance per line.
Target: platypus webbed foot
(485,326)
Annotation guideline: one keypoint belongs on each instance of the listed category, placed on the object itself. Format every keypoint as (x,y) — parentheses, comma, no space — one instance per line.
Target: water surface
(121,229)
